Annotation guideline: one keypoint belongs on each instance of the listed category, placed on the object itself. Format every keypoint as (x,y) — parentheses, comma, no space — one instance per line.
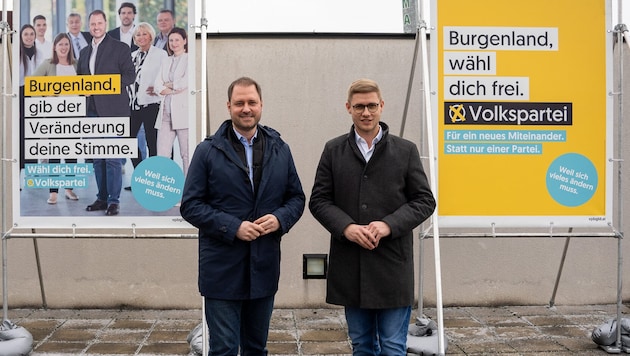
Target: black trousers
(147,115)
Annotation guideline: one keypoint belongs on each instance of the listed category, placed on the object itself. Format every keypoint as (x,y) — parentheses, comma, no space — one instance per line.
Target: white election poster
(88,146)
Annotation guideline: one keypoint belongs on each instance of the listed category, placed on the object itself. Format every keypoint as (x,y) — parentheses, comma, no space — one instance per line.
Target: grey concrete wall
(304,81)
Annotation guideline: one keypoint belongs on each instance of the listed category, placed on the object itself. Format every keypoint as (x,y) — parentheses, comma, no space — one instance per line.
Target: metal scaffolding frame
(432,232)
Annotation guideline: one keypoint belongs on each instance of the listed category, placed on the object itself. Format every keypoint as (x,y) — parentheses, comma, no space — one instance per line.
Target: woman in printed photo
(61,63)
(172,85)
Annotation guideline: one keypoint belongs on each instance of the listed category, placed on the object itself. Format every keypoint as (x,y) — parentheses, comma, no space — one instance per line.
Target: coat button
(364,206)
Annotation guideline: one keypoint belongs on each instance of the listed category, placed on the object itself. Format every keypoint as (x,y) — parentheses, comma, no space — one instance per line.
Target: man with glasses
(370,192)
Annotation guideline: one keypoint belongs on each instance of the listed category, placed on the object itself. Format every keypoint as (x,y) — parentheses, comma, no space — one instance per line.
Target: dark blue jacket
(218,197)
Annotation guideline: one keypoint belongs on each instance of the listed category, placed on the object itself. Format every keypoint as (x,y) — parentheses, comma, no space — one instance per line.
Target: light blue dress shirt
(249,153)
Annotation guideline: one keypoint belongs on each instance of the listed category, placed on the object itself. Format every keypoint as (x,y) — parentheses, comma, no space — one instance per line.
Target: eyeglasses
(360,108)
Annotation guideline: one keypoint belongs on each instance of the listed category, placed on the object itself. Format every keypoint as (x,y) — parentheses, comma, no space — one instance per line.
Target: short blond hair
(364,86)
(147,27)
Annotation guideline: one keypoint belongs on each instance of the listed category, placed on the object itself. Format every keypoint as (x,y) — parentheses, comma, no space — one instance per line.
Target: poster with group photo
(103,113)
(523,114)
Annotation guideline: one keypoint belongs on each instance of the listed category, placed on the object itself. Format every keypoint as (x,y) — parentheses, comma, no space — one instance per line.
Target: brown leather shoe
(97,205)
(112,209)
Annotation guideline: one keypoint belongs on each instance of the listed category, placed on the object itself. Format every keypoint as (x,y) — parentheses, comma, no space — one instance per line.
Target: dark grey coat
(392,187)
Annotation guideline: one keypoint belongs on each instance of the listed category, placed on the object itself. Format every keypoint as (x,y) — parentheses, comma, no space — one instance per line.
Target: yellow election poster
(522,112)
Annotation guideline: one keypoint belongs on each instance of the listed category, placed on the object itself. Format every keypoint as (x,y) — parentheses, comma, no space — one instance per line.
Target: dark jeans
(378,332)
(107,171)
(238,322)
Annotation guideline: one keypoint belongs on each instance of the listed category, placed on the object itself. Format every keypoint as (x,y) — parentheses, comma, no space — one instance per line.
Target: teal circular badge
(572,179)
(157,183)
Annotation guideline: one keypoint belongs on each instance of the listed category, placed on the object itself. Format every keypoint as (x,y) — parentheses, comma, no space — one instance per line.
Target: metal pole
(204,73)
(421,147)
(204,328)
(433,181)
(410,84)
(5,30)
(5,288)
(204,131)
(552,301)
(620,37)
(420,276)
(75,235)
(619,290)
(422,153)
(39,273)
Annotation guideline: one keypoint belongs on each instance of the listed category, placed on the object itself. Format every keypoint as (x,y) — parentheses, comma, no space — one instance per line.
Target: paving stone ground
(510,330)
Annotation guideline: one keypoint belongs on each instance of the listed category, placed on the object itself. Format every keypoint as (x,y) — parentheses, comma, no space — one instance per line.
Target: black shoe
(97,205)
(128,188)
(112,209)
